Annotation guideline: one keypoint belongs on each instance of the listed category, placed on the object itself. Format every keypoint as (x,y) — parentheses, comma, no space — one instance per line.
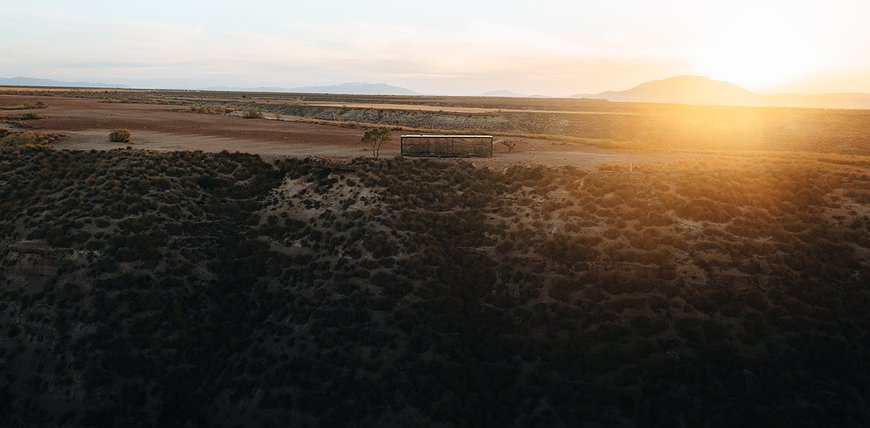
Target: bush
(18,139)
(252,113)
(207,109)
(120,135)
(28,138)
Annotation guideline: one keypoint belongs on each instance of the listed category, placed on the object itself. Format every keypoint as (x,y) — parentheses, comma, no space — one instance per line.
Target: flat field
(554,130)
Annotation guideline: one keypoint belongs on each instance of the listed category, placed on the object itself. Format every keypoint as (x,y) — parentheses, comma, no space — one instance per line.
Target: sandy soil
(87,122)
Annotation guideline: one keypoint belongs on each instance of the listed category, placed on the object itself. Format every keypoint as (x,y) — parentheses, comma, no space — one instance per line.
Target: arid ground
(87,122)
(624,265)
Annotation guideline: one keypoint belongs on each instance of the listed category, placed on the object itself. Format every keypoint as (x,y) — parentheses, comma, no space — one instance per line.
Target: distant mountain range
(356,88)
(361,88)
(29,81)
(502,93)
(674,90)
(701,90)
(506,93)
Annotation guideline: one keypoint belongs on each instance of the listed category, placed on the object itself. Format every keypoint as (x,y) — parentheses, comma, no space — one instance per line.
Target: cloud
(548,47)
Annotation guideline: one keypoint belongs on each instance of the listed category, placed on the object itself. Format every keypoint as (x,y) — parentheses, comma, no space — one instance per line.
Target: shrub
(207,109)
(252,113)
(18,139)
(120,135)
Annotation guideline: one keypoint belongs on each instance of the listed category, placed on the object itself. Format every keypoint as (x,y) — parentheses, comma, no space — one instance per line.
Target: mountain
(357,88)
(704,91)
(237,89)
(680,90)
(502,93)
(506,93)
(361,88)
(30,81)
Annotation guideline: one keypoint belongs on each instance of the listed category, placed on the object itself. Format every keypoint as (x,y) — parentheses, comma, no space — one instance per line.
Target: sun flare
(760,54)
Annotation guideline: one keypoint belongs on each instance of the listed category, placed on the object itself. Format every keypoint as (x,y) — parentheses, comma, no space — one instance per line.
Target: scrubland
(576,123)
(142,288)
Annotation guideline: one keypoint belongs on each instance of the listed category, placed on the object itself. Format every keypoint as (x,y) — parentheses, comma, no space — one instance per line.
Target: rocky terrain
(669,128)
(183,288)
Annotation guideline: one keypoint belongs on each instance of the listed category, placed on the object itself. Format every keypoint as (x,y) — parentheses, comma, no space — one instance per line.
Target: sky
(545,47)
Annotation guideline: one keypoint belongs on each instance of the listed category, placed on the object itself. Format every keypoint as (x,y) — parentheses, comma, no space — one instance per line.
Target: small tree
(376,137)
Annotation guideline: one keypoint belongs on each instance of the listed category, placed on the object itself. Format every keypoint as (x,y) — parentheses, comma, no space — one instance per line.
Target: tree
(376,137)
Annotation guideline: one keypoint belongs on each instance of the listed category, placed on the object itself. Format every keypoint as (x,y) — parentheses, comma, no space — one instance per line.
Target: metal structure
(447,145)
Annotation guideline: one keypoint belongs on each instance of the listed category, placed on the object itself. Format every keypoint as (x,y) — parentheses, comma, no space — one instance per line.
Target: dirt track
(76,114)
(87,122)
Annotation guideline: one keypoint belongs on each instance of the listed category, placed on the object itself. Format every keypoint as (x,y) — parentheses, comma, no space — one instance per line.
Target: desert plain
(613,264)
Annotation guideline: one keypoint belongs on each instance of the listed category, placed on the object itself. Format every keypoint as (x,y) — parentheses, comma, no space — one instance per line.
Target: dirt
(95,139)
(88,121)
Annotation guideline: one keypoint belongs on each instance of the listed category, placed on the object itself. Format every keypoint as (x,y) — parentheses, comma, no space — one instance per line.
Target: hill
(361,88)
(30,81)
(683,90)
(510,94)
(355,88)
(247,89)
(502,93)
(704,91)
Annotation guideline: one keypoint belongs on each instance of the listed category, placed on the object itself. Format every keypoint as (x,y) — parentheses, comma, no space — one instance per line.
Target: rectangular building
(447,145)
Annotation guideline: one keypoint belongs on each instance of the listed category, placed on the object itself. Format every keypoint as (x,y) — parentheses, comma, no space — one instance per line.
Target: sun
(760,54)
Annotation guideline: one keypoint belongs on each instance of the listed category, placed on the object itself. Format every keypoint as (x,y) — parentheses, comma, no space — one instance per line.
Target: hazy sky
(445,46)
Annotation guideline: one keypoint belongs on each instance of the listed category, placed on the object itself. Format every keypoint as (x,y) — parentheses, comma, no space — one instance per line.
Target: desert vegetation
(635,126)
(375,138)
(29,106)
(121,135)
(22,121)
(211,109)
(663,127)
(183,287)
(252,113)
(28,138)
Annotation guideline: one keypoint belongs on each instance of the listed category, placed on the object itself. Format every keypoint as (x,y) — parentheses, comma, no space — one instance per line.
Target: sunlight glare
(760,55)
